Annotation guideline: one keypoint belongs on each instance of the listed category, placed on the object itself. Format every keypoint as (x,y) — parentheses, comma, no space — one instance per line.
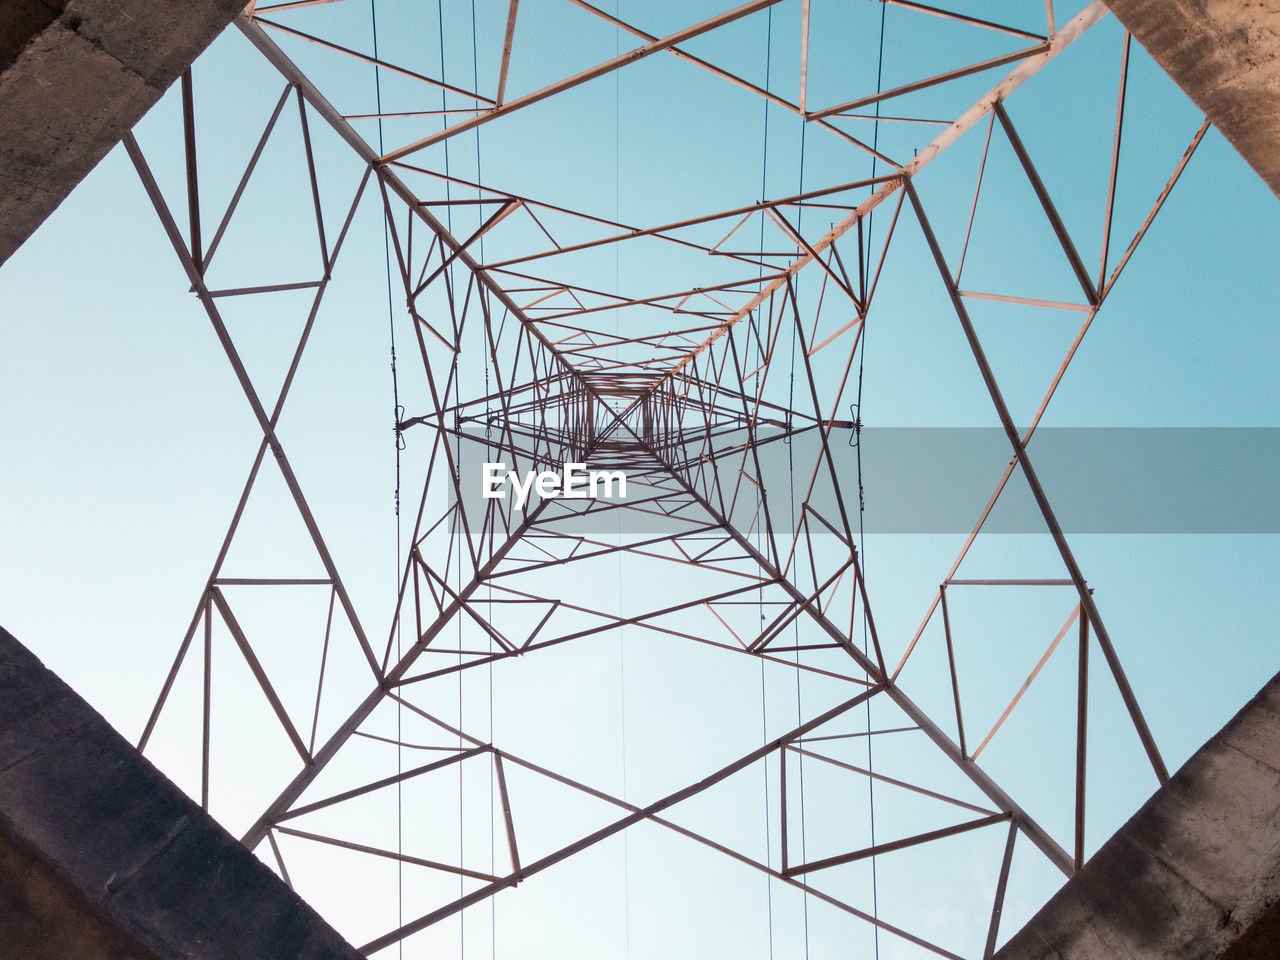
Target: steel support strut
(564,375)
(1037,491)
(1047,845)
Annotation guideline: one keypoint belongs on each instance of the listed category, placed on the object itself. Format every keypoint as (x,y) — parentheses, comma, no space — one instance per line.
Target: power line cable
(398,412)
(791,477)
(764,702)
(617,356)
(862,506)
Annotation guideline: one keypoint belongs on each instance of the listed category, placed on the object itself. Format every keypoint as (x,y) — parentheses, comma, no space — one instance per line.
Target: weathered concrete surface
(74,76)
(44,917)
(1194,875)
(102,858)
(1225,55)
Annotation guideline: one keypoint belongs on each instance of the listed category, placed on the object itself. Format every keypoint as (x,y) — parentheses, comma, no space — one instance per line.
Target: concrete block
(19,22)
(75,75)
(1225,55)
(1193,873)
(155,41)
(119,848)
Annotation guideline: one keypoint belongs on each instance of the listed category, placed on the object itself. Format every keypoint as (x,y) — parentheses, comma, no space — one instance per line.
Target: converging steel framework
(685,396)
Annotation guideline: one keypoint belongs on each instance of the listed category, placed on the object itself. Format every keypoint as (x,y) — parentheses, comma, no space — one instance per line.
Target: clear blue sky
(128,441)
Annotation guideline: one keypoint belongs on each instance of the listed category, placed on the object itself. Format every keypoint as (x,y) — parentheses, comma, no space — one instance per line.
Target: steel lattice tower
(693,389)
